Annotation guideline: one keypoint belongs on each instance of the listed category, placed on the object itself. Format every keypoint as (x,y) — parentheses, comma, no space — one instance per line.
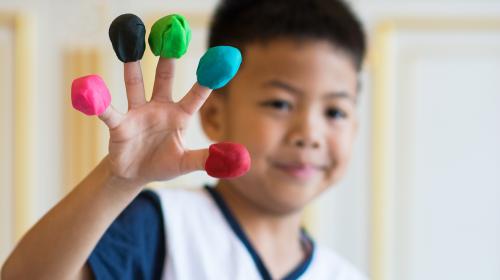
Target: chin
(282,193)
(289,198)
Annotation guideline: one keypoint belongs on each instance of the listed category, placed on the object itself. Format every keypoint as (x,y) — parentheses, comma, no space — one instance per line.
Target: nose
(305,133)
(301,143)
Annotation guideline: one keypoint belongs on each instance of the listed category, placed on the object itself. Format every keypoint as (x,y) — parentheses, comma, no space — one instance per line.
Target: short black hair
(242,22)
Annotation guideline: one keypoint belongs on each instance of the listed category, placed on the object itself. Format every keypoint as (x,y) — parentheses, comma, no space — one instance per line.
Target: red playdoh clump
(227,160)
(90,95)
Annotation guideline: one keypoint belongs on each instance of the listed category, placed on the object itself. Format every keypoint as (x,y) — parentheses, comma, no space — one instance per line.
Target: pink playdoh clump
(90,95)
(227,160)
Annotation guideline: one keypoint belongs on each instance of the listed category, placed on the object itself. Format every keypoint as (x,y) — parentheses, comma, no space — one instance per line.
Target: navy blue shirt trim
(133,247)
(235,226)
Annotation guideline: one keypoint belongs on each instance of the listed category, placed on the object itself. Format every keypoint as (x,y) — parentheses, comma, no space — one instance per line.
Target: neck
(275,237)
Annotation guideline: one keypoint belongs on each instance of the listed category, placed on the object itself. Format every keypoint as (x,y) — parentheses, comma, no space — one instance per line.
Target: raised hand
(146,143)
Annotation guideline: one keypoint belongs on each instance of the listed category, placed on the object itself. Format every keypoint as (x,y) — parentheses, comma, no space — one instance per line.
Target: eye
(278,104)
(334,113)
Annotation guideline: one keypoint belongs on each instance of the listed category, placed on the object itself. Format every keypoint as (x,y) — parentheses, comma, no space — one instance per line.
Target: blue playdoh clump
(218,66)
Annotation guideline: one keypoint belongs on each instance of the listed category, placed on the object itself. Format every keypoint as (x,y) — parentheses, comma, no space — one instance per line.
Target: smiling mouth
(299,171)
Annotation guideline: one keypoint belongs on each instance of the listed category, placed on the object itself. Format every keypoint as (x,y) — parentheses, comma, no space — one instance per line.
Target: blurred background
(421,199)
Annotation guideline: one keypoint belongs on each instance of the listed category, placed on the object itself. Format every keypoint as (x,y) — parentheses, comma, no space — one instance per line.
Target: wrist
(118,184)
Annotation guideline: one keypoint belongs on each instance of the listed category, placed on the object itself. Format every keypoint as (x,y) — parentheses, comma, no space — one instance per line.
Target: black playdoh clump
(127,33)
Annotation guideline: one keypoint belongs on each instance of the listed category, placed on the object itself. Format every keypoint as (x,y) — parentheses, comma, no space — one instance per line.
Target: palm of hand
(146,142)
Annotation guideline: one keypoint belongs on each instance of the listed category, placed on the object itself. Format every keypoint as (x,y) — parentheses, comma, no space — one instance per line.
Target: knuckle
(133,81)
(165,75)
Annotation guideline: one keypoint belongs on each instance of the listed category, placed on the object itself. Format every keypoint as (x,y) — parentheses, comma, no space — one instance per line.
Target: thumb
(193,160)
(222,160)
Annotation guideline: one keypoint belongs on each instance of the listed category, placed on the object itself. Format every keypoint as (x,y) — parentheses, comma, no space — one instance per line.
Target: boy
(292,104)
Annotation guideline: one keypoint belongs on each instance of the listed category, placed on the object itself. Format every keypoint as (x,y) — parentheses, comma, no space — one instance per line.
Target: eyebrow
(295,91)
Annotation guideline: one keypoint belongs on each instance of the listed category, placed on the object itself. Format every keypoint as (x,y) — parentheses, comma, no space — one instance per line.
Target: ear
(213,116)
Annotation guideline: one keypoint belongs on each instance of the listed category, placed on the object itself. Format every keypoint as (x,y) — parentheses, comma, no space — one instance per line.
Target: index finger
(195,98)
(216,68)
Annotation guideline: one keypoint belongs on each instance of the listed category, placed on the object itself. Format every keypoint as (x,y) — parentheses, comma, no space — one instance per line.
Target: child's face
(293,105)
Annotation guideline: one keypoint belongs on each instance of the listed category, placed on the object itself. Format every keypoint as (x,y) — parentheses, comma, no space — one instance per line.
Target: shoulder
(178,194)
(179,199)
(144,210)
(188,211)
(146,205)
(328,262)
(197,235)
(133,246)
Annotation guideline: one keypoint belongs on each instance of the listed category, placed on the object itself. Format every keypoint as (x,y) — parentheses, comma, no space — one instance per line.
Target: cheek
(257,133)
(340,146)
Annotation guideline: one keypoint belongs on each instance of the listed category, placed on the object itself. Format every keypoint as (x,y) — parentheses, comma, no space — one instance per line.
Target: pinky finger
(90,96)
(111,117)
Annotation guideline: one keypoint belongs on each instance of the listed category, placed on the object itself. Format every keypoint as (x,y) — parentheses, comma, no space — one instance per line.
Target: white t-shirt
(204,241)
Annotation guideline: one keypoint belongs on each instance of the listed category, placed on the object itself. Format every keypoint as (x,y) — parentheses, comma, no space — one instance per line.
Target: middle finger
(162,90)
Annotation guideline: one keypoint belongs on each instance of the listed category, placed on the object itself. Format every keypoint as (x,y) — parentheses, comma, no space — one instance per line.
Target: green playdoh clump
(170,36)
